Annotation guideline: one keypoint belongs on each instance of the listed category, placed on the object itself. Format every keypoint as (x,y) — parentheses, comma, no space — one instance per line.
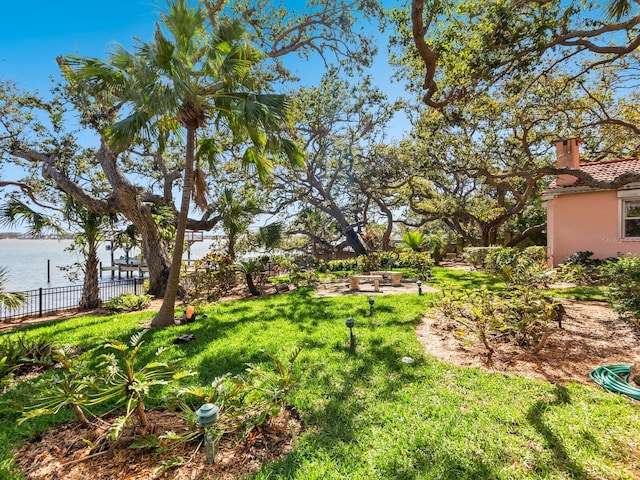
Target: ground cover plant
(368,413)
(128,302)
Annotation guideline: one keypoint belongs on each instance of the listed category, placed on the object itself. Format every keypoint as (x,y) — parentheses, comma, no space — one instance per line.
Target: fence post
(135,286)
(40,300)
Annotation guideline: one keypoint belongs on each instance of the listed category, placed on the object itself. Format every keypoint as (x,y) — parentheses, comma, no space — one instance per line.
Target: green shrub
(420,263)
(520,267)
(301,269)
(522,316)
(582,257)
(6,373)
(119,378)
(128,302)
(476,256)
(213,277)
(369,262)
(347,265)
(246,400)
(71,387)
(581,269)
(21,354)
(623,277)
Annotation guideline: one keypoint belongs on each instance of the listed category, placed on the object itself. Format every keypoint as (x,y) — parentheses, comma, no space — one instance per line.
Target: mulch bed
(63,453)
(591,335)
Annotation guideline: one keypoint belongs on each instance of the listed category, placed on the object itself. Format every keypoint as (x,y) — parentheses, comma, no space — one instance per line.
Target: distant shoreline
(26,236)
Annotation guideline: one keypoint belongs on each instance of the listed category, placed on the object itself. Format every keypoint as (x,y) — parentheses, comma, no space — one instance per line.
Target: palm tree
(16,213)
(236,216)
(249,269)
(185,81)
(93,227)
(270,236)
(127,239)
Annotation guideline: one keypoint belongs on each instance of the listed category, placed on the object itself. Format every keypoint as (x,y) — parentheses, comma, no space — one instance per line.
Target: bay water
(34,263)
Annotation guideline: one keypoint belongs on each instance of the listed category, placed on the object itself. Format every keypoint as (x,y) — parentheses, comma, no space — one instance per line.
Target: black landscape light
(371,302)
(419,284)
(350,323)
(207,416)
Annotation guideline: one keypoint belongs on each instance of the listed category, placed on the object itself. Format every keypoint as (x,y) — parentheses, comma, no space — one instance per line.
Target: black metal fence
(48,300)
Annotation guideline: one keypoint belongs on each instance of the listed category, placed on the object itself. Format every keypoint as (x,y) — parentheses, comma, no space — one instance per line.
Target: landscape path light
(208,415)
(350,323)
(419,284)
(371,301)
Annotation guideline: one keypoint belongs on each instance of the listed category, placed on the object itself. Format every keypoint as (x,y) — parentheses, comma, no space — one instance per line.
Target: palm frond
(17,213)
(209,151)
(255,159)
(137,337)
(616,9)
(122,133)
(10,300)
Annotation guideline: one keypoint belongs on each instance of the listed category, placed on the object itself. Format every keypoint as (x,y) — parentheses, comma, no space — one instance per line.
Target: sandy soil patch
(591,335)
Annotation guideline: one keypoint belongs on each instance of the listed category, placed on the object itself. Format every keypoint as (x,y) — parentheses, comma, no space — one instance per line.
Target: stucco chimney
(568,156)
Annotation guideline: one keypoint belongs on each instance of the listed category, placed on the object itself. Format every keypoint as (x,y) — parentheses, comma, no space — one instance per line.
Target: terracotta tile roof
(603,171)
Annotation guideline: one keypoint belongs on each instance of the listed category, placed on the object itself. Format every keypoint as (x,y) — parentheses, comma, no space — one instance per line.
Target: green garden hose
(614,378)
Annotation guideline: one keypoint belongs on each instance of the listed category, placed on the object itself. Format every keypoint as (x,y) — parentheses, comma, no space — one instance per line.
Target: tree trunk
(165,317)
(80,415)
(252,287)
(488,235)
(231,251)
(386,236)
(90,289)
(156,255)
(129,203)
(354,242)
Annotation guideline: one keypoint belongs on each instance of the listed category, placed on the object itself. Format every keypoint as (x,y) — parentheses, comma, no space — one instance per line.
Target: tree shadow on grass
(535,415)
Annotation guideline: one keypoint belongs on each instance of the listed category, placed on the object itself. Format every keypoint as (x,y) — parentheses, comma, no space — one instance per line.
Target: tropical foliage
(9,300)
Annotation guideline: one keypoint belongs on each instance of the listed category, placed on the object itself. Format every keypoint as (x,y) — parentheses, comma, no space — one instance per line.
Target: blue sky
(34,33)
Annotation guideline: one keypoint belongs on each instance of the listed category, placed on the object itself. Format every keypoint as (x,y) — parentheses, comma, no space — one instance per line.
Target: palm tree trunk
(165,317)
(252,286)
(90,289)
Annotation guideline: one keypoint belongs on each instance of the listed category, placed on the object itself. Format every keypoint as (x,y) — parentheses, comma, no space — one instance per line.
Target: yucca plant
(73,388)
(130,385)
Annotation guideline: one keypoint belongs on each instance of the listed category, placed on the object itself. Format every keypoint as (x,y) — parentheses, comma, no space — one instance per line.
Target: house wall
(585,221)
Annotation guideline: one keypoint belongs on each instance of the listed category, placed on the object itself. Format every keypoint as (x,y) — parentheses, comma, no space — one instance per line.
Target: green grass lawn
(368,415)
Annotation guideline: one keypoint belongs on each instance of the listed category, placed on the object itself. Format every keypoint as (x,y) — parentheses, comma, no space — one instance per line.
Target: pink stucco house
(579,217)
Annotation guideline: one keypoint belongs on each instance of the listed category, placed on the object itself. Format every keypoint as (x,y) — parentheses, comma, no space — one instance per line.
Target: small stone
(408,360)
